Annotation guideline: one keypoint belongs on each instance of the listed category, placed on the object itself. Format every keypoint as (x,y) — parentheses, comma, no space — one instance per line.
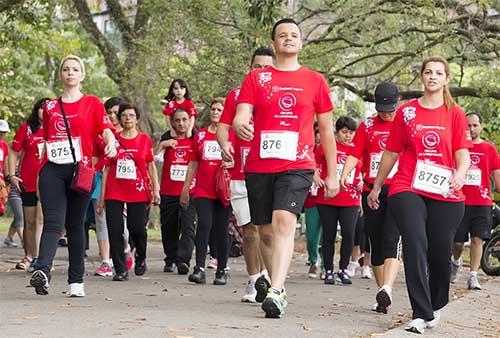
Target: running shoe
(76,290)
(455,269)
(351,268)
(417,325)
(182,268)
(322,275)
(212,263)
(433,323)
(329,277)
(9,242)
(366,272)
(198,276)
(274,304)
(140,267)
(24,264)
(40,282)
(343,277)
(473,283)
(384,299)
(221,277)
(169,267)
(262,286)
(129,261)
(313,271)
(105,270)
(63,241)
(121,277)
(31,268)
(250,293)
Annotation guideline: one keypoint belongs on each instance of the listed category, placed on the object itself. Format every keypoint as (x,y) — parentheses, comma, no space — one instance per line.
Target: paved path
(166,305)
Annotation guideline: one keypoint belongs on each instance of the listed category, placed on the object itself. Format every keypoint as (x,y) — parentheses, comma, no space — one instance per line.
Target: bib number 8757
(59,152)
(435,179)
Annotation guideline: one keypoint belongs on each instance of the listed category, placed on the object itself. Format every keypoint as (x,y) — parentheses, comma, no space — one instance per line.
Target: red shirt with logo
(30,143)
(175,165)
(4,152)
(427,140)
(369,143)
(284,105)
(99,153)
(206,151)
(484,159)
(128,179)
(173,105)
(345,198)
(87,119)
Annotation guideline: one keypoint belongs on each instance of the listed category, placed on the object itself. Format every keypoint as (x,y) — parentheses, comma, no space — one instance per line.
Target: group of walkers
(395,179)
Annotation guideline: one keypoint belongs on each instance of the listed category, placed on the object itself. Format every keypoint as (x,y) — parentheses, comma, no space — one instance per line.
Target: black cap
(386,97)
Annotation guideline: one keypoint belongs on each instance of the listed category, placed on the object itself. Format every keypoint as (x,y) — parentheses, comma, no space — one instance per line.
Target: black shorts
(277,191)
(477,222)
(29,199)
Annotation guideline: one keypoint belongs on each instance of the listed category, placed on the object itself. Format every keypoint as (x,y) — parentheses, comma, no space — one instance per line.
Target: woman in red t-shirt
(205,162)
(179,97)
(86,118)
(26,152)
(127,179)
(430,139)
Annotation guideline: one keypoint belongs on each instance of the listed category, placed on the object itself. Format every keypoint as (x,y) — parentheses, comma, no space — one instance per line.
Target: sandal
(24,264)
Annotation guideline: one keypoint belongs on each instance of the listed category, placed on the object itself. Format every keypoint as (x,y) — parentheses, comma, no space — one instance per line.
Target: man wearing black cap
(369,144)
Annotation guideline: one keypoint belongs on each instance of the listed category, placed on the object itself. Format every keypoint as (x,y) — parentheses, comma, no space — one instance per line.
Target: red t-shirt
(175,165)
(173,105)
(99,153)
(30,144)
(431,136)
(128,179)
(4,152)
(484,159)
(345,198)
(87,119)
(284,104)
(369,143)
(206,151)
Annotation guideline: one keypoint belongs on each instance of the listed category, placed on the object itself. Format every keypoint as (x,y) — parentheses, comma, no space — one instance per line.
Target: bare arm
(100,204)
(496,179)
(325,124)
(349,165)
(388,160)
(241,122)
(462,160)
(109,139)
(153,176)
(191,172)
(10,168)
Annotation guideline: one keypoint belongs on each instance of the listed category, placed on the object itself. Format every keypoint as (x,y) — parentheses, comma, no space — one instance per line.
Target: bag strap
(68,132)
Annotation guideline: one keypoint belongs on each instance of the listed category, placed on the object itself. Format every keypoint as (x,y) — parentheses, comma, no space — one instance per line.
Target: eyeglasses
(128,115)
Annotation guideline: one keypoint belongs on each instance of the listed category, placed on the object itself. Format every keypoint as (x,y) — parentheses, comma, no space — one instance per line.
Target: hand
(170,143)
(245,132)
(372,198)
(343,181)
(100,207)
(110,150)
(227,152)
(156,197)
(457,181)
(228,164)
(184,199)
(15,181)
(318,180)
(331,186)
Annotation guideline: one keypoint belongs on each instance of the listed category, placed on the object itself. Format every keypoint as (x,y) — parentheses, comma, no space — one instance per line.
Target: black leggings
(62,207)
(212,214)
(360,235)
(347,217)
(137,218)
(428,227)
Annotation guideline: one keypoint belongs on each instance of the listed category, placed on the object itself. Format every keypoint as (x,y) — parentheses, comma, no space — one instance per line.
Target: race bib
(279,144)
(41,148)
(211,151)
(375,165)
(178,172)
(125,169)
(473,177)
(59,152)
(350,178)
(432,178)
(244,155)
(1,155)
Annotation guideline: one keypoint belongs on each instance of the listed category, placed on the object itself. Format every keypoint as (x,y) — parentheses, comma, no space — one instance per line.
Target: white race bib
(473,177)
(1,155)
(375,165)
(211,151)
(178,172)
(279,144)
(432,178)
(244,155)
(59,152)
(125,169)
(349,179)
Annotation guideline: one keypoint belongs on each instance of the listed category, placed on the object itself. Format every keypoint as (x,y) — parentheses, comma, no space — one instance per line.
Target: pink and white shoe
(129,261)
(105,270)
(212,263)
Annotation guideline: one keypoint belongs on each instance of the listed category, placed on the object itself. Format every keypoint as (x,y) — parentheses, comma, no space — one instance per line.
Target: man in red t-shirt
(485,163)
(283,100)
(237,152)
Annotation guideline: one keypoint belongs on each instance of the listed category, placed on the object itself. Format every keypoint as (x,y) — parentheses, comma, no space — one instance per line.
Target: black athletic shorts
(477,222)
(277,191)
(29,199)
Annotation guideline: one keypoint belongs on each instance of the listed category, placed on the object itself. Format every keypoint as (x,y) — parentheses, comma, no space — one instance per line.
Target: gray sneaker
(473,283)
(455,268)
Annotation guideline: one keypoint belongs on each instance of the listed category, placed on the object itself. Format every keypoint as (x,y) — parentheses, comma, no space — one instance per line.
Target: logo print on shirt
(50,105)
(287,101)
(236,93)
(201,135)
(265,77)
(382,142)
(409,113)
(179,154)
(474,160)
(60,126)
(342,158)
(431,140)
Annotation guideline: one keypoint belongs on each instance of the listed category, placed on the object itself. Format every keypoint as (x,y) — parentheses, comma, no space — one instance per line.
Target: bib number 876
(271,144)
(59,152)
(431,178)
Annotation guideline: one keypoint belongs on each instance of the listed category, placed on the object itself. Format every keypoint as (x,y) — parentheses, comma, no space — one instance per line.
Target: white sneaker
(455,268)
(76,290)
(250,293)
(366,272)
(351,268)
(473,283)
(433,323)
(416,326)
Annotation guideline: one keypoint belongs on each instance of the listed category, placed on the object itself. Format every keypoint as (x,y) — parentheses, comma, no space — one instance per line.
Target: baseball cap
(4,126)
(386,97)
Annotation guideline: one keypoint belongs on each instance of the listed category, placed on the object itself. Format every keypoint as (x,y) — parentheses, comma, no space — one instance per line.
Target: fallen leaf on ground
(306,328)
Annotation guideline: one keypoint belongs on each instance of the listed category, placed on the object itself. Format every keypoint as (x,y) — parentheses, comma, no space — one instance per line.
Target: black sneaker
(329,277)
(121,277)
(261,286)
(169,267)
(140,267)
(63,241)
(343,277)
(198,276)
(182,268)
(40,282)
(221,278)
